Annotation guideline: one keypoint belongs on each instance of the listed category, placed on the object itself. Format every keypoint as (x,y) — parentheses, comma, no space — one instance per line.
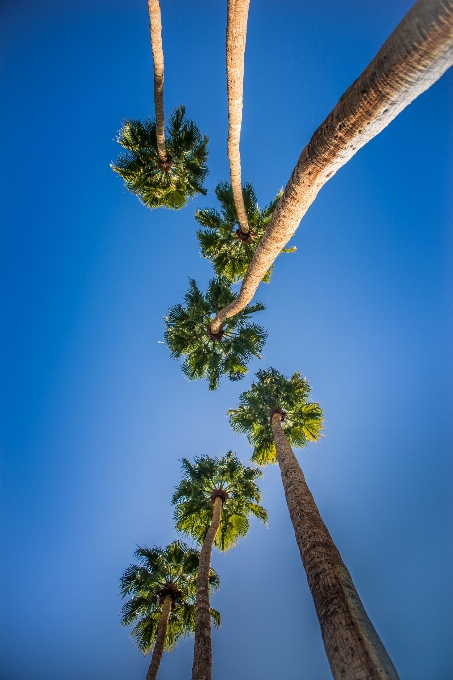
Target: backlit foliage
(192,498)
(303,419)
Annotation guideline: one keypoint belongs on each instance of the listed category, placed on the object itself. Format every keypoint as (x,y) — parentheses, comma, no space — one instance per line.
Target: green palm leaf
(302,420)
(209,357)
(168,185)
(159,571)
(220,240)
(193,501)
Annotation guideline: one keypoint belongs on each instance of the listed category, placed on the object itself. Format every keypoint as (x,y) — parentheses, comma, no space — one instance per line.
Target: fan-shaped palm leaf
(166,184)
(208,355)
(302,419)
(229,250)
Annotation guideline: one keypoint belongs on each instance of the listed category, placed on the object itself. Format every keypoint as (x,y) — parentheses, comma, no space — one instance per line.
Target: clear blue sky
(95,414)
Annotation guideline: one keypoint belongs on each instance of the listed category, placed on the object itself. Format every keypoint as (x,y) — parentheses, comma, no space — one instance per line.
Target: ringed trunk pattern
(202,658)
(155,27)
(235,48)
(160,639)
(354,649)
(415,55)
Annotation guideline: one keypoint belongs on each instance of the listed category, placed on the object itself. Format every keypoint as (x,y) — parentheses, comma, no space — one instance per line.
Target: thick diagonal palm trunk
(354,649)
(235,48)
(416,54)
(202,658)
(160,639)
(155,27)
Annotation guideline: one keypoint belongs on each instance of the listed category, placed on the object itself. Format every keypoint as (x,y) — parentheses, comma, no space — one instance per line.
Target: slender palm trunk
(416,54)
(160,639)
(235,48)
(155,27)
(202,658)
(353,647)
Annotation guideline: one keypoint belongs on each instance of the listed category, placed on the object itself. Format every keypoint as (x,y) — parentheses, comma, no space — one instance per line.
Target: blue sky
(95,414)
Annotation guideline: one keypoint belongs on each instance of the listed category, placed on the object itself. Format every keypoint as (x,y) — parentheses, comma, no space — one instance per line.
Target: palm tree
(163,587)
(222,241)
(415,55)
(213,503)
(275,414)
(163,171)
(211,355)
(235,49)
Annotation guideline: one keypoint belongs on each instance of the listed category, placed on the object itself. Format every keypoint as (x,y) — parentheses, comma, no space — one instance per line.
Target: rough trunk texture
(155,27)
(417,53)
(202,658)
(353,647)
(160,639)
(235,48)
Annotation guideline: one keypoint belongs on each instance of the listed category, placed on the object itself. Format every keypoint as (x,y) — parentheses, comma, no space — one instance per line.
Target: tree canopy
(160,572)
(163,184)
(229,250)
(302,420)
(207,355)
(193,498)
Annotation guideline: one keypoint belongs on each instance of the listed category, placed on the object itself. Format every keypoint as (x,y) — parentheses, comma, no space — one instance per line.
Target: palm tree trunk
(416,54)
(354,649)
(155,27)
(235,48)
(202,658)
(160,639)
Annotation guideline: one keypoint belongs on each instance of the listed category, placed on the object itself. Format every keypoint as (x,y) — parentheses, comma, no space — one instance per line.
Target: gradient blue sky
(95,414)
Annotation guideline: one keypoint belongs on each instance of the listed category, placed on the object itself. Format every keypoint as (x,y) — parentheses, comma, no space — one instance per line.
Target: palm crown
(223,243)
(209,477)
(166,184)
(301,419)
(208,355)
(160,572)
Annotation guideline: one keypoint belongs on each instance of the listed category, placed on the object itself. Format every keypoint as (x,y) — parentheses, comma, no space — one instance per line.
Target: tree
(208,355)
(416,54)
(163,171)
(235,49)
(275,414)
(213,503)
(163,587)
(223,243)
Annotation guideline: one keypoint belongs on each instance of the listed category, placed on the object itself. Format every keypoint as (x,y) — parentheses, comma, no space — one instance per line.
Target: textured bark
(235,48)
(160,639)
(155,27)
(202,658)
(417,54)
(354,649)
